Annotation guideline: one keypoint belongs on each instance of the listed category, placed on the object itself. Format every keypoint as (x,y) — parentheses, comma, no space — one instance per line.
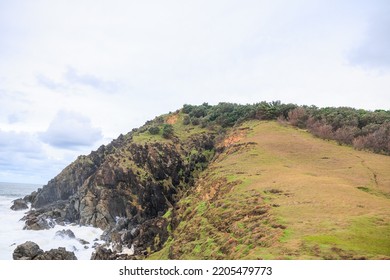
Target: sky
(75,74)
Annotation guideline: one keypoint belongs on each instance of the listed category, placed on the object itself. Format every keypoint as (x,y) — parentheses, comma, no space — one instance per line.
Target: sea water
(12,233)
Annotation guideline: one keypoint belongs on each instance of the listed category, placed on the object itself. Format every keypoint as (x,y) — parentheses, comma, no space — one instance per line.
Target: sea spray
(12,233)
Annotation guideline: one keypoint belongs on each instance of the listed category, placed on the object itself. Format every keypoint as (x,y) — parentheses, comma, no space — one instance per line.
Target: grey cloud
(374,50)
(21,142)
(70,130)
(49,83)
(17,117)
(22,157)
(74,77)
(13,118)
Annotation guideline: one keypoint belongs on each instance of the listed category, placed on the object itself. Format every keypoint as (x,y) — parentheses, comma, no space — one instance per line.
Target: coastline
(12,233)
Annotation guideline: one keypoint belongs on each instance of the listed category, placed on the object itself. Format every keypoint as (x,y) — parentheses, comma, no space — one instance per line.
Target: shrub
(195,121)
(322,130)
(154,130)
(359,143)
(167,131)
(298,117)
(186,119)
(346,134)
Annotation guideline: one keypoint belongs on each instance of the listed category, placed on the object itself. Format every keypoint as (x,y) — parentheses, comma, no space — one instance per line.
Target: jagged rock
(30,198)
(35,220)
(121,223)
(39,224)
(45,218)
(56,254)
(152,234)
(102,253)
(31,251)
(19,204)
(117,247)
(65,234)
(27,251)
(82,241)
(66,184)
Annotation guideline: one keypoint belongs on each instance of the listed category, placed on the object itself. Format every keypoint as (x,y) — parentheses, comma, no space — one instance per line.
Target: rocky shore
(124,188)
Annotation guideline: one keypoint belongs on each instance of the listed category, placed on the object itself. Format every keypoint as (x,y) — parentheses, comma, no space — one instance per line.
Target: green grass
(146,137)
(202,206)
(163,254)
(365,236)
(181,131)
(286,235)
(184,131)
(168,214)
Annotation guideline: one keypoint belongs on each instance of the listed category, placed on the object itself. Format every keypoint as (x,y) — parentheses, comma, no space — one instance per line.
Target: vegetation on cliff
(233,181)
(363,129)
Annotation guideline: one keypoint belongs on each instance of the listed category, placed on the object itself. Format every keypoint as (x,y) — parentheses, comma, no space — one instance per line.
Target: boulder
(19,204)
(57,254)
(31,251)
(102,253)
(82,241)
(27,251)
(39,222)
(65,234)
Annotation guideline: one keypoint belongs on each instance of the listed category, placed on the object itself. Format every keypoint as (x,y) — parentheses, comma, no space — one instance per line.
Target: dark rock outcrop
(56,254)
(31,251)
(39,219)
(66,234)
(151,235)
(102,253)
(19,204)
(27,251)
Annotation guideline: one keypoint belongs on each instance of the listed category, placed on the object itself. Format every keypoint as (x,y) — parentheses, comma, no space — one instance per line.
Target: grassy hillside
(277,192)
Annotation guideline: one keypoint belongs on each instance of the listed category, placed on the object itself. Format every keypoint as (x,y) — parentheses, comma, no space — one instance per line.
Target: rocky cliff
(124,187)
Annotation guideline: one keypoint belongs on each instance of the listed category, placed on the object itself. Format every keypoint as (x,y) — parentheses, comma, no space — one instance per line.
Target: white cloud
(70,130)
(121,62)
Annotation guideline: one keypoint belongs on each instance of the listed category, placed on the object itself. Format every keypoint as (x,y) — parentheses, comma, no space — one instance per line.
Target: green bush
(186,119)
(154,130)
(167,131)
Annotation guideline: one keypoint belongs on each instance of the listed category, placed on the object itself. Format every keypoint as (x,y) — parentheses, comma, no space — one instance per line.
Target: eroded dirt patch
(172,119)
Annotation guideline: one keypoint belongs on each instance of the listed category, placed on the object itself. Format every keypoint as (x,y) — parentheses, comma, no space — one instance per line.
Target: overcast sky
(74,74)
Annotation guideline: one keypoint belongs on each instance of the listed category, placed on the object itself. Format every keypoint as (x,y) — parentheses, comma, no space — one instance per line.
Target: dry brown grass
(318,181)
(330,201)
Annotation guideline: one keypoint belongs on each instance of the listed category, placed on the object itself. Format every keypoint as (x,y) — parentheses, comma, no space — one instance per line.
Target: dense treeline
(368,130)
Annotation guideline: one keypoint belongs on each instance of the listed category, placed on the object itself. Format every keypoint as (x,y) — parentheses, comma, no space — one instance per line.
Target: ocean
(12,233)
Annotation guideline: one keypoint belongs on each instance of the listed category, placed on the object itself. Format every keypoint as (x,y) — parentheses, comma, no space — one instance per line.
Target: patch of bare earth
(172,119)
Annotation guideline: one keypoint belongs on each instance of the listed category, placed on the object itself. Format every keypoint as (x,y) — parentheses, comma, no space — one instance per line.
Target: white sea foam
(12,234)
